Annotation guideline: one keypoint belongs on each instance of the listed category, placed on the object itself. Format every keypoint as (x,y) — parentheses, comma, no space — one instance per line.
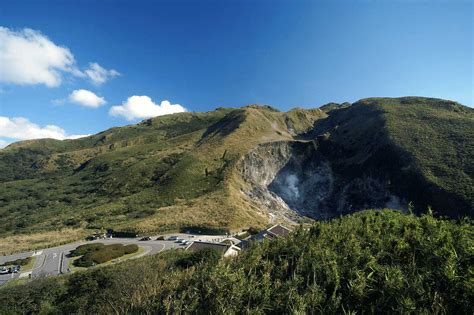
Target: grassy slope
(162,174)
(423,148)
(369,262)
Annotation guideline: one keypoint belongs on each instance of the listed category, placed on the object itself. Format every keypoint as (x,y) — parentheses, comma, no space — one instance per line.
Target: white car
(3,270)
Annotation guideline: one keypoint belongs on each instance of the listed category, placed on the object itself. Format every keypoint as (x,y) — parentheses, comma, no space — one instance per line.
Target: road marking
(60,263)
(37,253)
(54,255)
(42,264)
(25,274)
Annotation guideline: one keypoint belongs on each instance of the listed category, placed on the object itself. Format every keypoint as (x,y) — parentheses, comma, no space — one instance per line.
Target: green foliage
(20,261)
(207,255)
(86,248)
(369,262)
(98,253)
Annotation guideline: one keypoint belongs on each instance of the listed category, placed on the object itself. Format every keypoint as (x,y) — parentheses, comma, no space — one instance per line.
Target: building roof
(279,230)
(198,245)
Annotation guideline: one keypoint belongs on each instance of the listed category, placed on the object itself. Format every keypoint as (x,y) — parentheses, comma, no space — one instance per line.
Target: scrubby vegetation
(370,262)
(20,261)
(98,253)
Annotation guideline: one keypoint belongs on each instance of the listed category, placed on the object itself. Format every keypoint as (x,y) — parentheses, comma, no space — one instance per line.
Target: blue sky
(132,55)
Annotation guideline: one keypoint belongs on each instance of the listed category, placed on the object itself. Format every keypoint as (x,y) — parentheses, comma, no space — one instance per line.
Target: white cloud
(142,107)
(29,57)
(99,75)
(86,98)
(19,128)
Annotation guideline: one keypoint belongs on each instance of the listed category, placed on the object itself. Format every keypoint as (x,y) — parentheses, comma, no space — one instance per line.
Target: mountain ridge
(175,171)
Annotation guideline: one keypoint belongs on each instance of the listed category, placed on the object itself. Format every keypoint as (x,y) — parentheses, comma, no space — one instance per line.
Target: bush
(84,249)
(207,255)
(372,262)
(100,253)
(21,262)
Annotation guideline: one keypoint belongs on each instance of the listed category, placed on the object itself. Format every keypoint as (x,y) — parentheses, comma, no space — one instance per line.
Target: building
(225,250)
(275,231)
(278,231)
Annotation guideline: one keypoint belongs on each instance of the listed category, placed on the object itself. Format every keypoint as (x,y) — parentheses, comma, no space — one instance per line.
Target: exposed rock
(293,179)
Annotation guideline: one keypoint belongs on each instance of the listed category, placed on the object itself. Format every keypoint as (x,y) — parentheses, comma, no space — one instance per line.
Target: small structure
(277,230)
(224,249)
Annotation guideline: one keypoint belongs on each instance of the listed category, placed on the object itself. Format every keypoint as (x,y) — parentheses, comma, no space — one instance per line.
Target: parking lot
(54,261)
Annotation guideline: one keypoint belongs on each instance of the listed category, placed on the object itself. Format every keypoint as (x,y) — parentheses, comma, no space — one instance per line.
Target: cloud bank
(19,128)
(142,107)
(29,57)
(86,98)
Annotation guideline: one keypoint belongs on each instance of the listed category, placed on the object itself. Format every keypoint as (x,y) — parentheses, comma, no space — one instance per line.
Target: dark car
(146,238)
(160,238)
(13,269)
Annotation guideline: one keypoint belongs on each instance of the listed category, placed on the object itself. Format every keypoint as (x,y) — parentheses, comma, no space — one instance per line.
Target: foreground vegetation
(368,262)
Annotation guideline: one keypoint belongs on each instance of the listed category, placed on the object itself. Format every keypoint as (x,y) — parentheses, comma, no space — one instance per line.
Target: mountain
(232,168)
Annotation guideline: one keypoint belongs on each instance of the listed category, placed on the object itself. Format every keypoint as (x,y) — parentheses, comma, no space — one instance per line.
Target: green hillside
(189,169)
(372,262)
(423,149)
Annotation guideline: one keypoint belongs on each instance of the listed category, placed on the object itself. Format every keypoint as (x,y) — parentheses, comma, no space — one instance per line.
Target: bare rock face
(293,179)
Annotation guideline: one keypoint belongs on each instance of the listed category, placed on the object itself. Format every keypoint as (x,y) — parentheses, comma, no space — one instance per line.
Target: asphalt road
(54,261)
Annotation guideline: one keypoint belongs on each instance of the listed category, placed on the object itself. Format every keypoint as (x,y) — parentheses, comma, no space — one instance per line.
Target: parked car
(13,269)
(172,238)
(3,271)
(146,238)
(160,238)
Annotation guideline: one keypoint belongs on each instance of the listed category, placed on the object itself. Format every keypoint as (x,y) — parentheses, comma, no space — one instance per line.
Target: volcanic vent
(294,179)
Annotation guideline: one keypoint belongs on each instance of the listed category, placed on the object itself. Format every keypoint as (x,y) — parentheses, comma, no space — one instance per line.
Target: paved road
(54,261)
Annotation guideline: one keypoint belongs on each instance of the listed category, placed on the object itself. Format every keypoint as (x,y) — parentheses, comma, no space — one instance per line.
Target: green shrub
(99,253)
(21,262)
(372,262)
(84,249)
(208,255)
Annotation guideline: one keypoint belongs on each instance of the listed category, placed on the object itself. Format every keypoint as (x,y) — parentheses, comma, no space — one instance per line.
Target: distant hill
(231,168)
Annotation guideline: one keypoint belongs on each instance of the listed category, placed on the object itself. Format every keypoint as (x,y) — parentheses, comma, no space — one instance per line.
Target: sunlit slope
(164,173)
